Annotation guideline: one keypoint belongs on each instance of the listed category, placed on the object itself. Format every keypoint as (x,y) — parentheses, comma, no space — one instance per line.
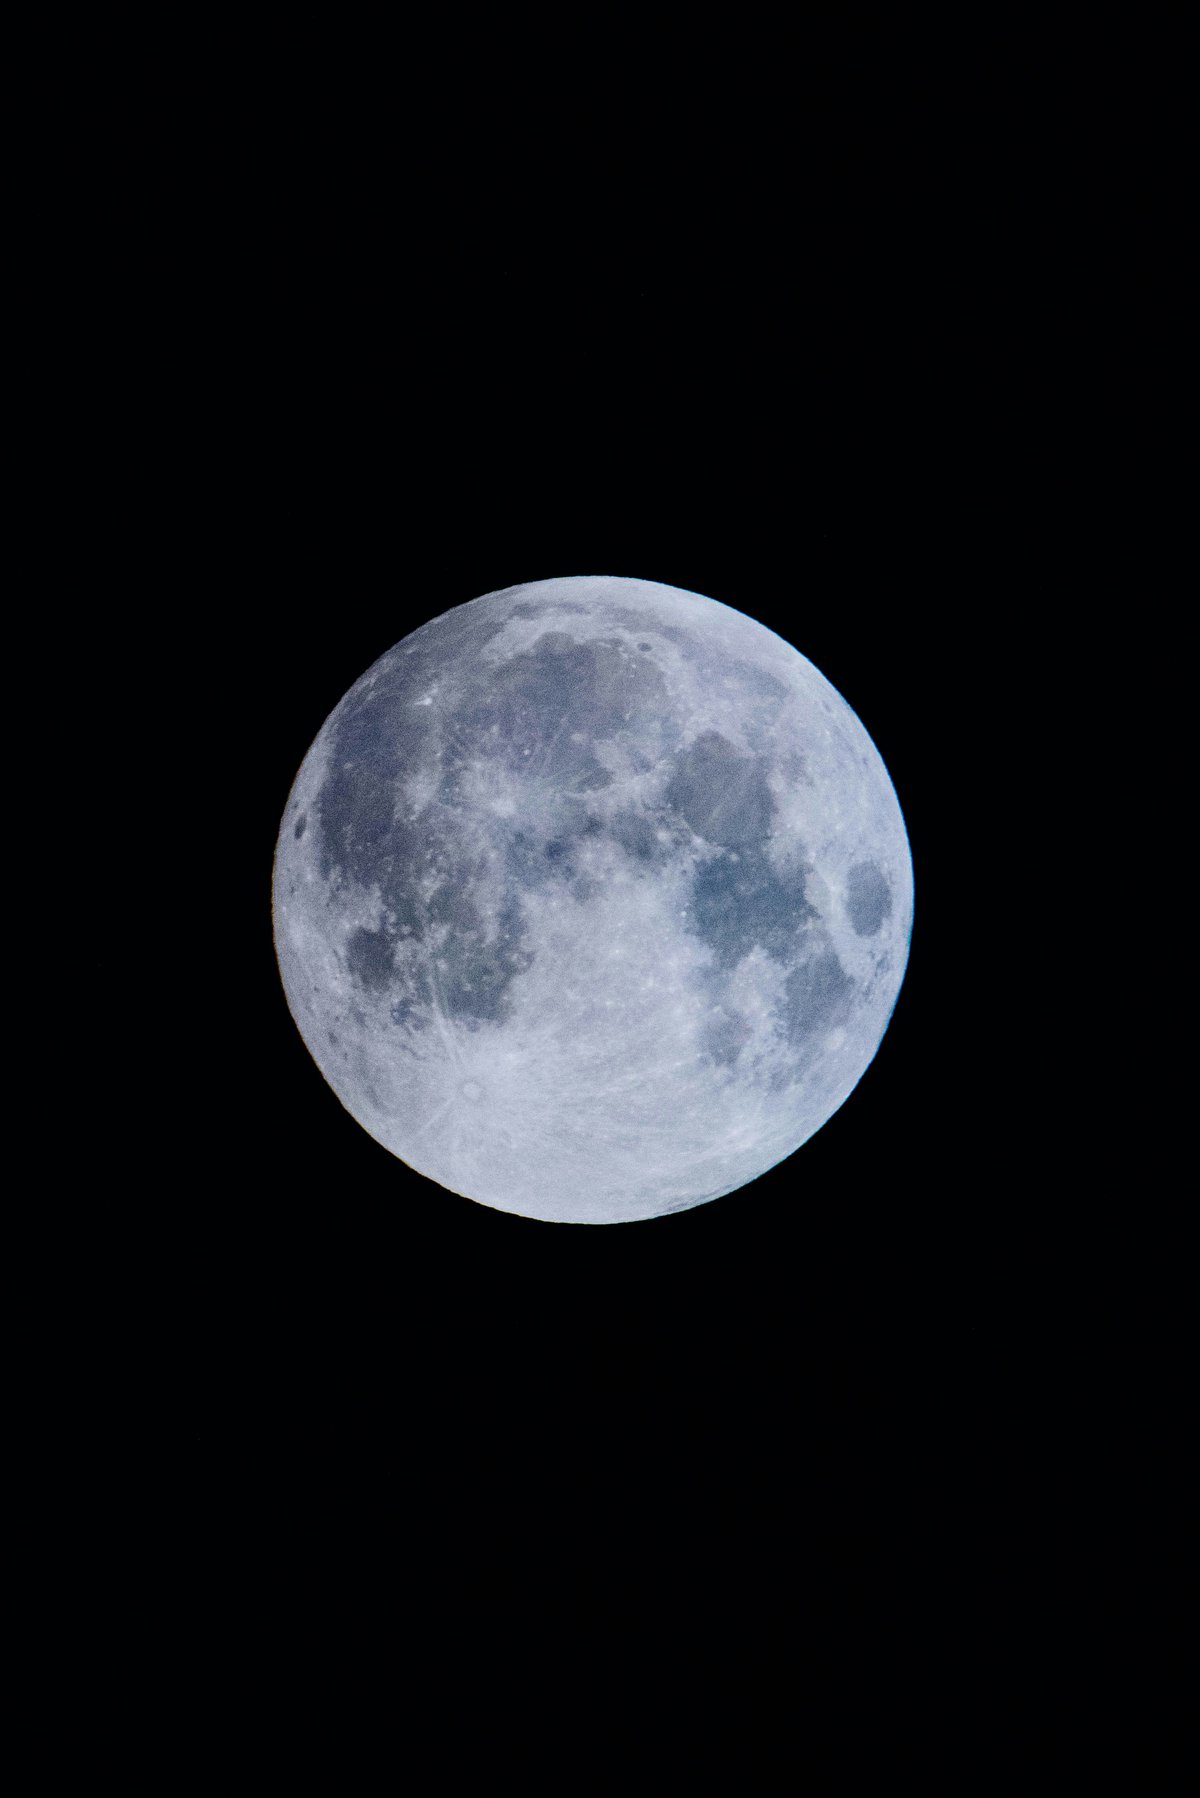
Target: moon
(592,900)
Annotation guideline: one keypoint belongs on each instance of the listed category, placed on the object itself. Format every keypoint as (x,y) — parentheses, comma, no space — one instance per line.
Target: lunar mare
(592,900)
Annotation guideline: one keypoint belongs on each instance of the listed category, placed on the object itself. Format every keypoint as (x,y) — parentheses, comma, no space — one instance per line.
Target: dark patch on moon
(638,835)
(724,1036)
(301,822)
(524,609)
(369,958)
(524,860)
(372,747)
(817,997)
(722,793)
(458,634)
(758,681)
(542,712)
(868,899)
(739,901)
(634,620)
(473,970)
(412,1012)
(533,863)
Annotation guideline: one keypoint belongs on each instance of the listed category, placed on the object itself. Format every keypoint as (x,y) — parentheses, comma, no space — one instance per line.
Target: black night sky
(365,363)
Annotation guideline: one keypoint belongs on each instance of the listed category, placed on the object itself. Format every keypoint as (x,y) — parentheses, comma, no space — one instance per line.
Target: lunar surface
(592,900)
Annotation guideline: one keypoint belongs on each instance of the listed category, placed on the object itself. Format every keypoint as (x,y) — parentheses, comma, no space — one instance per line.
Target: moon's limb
(592,899)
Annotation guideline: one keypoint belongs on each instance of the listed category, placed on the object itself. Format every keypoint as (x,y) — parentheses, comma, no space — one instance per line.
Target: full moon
(592,900)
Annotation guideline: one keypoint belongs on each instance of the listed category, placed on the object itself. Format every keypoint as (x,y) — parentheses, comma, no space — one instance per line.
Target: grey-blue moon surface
(592,900)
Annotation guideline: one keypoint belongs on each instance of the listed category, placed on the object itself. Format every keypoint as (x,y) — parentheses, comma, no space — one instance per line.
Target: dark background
(352,358)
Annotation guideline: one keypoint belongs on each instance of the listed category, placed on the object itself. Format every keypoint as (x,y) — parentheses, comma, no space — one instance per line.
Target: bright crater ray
(592,900)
